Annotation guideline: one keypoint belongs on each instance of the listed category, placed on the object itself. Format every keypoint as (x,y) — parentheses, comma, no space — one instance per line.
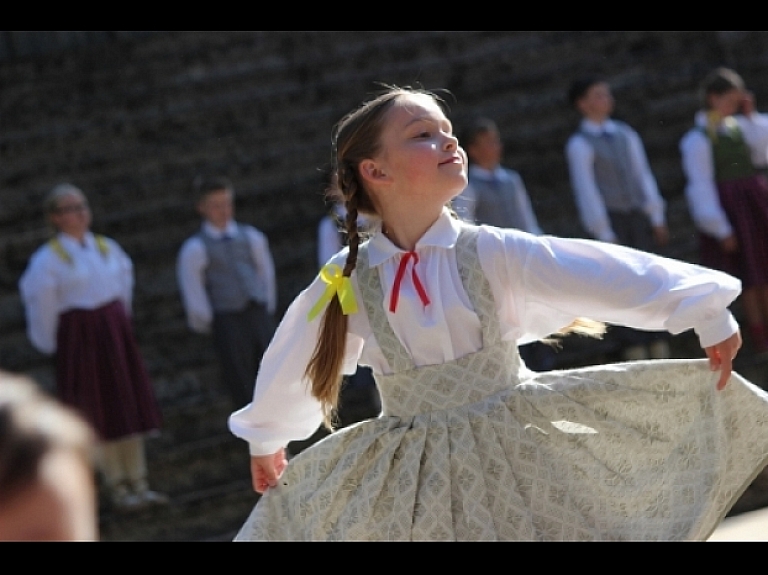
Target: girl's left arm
(548,282)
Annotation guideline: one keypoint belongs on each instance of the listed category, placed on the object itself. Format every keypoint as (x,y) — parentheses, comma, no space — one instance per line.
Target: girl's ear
(371,172)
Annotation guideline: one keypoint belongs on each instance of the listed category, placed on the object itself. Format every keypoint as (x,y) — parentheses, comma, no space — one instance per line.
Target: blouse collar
(443,234)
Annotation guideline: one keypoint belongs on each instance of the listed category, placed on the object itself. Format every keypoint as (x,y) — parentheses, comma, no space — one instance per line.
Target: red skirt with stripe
(745,202)
(100,372)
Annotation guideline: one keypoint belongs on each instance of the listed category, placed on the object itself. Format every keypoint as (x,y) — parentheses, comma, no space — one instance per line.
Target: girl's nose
(451,142)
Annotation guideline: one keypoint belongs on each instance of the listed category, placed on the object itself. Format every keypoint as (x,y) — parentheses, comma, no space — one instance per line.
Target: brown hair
(203,185)
(32,425)
(720,81)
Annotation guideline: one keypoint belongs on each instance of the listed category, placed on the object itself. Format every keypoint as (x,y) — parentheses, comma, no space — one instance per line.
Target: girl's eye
(424,135)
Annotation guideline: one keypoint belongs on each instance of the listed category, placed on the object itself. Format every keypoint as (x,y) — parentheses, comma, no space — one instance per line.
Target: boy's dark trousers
(240,339)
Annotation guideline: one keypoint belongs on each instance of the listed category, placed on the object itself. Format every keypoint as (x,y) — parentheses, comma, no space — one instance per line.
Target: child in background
(78,293)
(227,280)
(47,488)
(615,191)
(724,158)
(494,195)
(471,445)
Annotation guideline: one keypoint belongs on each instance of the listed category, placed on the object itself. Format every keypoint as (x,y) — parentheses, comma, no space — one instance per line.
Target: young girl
(77,291)
(724,158)
(471,445)
(47,492)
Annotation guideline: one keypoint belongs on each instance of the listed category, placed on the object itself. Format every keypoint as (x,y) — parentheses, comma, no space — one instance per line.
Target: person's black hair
(204,185)
(474,128)
(579,87)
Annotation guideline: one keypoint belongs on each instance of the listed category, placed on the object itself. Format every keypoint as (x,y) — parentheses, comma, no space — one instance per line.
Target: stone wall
(132,117)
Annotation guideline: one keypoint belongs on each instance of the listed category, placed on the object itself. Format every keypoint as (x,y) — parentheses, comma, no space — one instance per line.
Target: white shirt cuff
(717,329)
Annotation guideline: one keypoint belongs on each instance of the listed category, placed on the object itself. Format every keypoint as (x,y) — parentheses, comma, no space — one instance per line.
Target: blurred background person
(616,192)
(226,276)
(724,159)
(77,292)
(496,195)
(47,486)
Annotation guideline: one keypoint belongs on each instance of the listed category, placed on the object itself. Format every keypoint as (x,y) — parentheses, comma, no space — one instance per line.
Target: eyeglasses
(74,208)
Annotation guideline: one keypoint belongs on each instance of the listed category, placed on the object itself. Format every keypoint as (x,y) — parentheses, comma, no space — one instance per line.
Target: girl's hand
(721,358)
(267,469)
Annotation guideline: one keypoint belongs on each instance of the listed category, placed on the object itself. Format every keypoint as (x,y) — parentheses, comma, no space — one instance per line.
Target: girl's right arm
(283,408)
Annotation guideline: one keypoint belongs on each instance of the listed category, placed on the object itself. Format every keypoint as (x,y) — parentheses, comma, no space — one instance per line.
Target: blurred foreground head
(47,488)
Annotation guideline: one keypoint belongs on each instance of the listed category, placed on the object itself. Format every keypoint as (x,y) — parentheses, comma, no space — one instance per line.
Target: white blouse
(540,284)
(698,165)
(50,285)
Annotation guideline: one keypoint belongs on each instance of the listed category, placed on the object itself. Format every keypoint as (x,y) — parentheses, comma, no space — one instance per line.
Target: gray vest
(231,278)
(496,204)
(618,184)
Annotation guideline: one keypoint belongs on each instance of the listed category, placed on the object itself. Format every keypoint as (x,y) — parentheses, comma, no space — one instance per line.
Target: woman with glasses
(77,292)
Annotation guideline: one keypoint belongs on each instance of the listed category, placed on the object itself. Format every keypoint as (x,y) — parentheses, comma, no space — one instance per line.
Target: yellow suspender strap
(101,242)
(56,246)
(60,251)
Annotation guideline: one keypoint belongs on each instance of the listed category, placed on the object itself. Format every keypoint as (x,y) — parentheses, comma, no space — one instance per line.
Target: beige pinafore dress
(480,448)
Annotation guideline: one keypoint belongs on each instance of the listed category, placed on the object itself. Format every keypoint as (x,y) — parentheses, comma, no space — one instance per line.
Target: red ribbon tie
(399,280)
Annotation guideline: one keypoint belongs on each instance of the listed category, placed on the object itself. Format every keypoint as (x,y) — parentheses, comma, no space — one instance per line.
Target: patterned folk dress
(481,448)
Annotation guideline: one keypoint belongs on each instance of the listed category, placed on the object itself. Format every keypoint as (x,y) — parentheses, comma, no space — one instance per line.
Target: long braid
(356,137)
(324,369)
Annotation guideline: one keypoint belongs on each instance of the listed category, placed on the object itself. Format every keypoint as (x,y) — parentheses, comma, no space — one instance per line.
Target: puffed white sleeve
(700,189)
(38,290)
(548,282)
(283,408)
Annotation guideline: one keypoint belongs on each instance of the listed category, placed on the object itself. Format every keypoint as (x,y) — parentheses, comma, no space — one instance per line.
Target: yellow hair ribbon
(338,285)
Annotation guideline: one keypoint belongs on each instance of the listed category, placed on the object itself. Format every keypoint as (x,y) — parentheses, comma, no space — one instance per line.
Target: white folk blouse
(52,285)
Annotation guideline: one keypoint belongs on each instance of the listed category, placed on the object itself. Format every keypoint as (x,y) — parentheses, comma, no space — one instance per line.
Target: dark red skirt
(745,203)
(100,372)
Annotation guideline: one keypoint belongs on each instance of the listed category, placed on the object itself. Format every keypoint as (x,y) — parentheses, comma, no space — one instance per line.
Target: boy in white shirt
(615,191)
(227,280)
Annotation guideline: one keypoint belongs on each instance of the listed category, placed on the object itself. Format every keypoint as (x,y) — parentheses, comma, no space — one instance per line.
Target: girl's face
(72,215)
(420,157)
(726,104)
